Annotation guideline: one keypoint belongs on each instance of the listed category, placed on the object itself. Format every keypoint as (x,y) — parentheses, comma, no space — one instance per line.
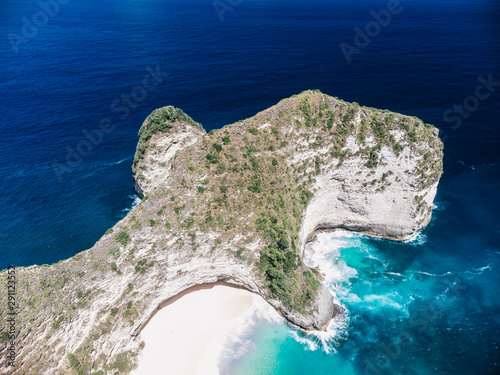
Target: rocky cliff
(236,205)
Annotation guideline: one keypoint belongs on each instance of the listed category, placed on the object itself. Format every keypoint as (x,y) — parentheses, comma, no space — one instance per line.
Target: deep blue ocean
(428,306)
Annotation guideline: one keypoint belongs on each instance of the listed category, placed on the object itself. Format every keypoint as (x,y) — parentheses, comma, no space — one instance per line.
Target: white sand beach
(186,337)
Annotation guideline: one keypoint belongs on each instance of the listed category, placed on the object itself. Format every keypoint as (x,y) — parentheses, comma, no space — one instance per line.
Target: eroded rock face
(153,169)
(396,205)
(320,162)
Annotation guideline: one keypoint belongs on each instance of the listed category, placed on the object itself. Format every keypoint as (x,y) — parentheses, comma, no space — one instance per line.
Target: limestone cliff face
(153,169)
(387,200)
(237,206)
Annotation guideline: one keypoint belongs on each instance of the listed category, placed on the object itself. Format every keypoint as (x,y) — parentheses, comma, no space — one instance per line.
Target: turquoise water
(64,80)
(425,306)
(440,290)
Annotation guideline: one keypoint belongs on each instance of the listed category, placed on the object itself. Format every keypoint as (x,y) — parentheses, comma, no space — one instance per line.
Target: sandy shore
(186,337)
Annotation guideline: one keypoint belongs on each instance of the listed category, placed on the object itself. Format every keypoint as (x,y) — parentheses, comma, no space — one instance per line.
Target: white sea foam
(417,238)
(120,161)
(324,253)
(328,340)
(235,342)
(377,259)
(89,174)
(375,301)
(394,274)
(473,271)
(308,343)
(439,206)
(478,271)
(434,274)
(135,201)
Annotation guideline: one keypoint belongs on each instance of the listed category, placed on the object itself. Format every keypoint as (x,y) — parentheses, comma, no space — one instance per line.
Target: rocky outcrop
(387,200)
(236,206)
(153,169)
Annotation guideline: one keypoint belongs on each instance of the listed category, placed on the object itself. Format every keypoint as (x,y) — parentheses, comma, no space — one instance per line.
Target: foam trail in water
(394,274)
(478,271)
(434,274)
(120,161)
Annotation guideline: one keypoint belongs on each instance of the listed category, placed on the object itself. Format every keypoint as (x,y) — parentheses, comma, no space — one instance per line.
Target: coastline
(146,261)
(185,292)
(188,337)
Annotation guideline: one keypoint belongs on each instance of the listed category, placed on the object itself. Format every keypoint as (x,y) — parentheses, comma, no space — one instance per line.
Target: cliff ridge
(236,205)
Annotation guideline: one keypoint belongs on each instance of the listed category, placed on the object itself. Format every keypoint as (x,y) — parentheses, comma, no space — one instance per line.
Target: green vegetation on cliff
(161,120)
(241,178)
(238,194)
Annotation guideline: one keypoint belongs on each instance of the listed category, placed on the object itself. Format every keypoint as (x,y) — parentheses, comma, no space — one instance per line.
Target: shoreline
(185,292)
(189,336)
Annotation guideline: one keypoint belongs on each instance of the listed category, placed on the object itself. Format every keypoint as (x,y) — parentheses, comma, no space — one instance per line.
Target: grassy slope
(238,183)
